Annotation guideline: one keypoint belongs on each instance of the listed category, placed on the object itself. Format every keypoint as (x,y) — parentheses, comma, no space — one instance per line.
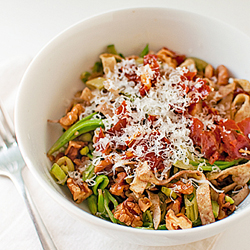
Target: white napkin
(16,228)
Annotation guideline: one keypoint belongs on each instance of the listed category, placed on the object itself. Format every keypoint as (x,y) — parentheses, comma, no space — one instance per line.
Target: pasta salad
(156,141)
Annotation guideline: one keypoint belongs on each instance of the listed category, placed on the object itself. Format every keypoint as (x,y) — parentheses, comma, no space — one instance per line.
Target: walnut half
(129,213)
(79,192)
(179,221)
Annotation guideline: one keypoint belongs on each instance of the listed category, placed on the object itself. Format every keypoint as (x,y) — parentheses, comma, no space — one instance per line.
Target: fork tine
(6,128)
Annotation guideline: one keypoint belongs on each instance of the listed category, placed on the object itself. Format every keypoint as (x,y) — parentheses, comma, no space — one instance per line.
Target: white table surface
(25,27)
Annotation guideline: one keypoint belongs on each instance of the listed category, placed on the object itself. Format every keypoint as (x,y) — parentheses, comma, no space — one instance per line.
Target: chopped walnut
(120,185)
(223,75)
(189,64)
(175,222)
(209,71)
(87,95)
(175,205)
(104,165)
(144,203)
(166,56)
(129,213)
(79,191)
(73,148)
(138,186)
(72,116)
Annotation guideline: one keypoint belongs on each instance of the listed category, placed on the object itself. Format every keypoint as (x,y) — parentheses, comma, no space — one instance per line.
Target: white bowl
(53,77)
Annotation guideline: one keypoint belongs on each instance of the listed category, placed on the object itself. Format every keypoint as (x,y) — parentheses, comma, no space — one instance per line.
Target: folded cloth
(16,228)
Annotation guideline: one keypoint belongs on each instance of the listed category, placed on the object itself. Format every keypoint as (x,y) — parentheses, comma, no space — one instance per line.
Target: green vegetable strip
(58,173)
(102,181)
(106,205)
(162,227)
(92,203)
(220,164)
(191,206)
(200,64)
(97,68)
(147,228)
(145,51)
(80,127)
(100,202)
(88,173)
(229,199)
(90,156)
(169,192)
(208,167)
(147,217)
(215,207)
(85,76)
(111,49)
(112,199)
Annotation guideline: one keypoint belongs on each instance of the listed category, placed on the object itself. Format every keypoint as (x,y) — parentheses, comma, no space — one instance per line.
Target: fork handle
(41,230)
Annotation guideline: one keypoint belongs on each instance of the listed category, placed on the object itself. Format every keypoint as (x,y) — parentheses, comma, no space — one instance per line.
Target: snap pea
(92,204)
(106,205)
(80,127)
(100,202)
(101,181)
(88,173)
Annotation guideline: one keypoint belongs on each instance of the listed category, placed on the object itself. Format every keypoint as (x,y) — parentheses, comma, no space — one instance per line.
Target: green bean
(92,204)
(106,205)
(88,173)
(100,202)
(102,181)
(80,127)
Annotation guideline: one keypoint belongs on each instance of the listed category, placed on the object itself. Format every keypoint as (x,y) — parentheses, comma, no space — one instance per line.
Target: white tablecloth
(25,27)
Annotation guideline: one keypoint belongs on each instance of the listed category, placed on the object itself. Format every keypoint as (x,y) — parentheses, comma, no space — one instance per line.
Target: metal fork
(11,165)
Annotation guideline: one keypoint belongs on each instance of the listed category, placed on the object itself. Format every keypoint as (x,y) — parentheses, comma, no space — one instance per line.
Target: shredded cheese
(167,101)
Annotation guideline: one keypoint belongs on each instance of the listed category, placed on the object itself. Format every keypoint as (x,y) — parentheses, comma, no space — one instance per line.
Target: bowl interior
(54,76)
